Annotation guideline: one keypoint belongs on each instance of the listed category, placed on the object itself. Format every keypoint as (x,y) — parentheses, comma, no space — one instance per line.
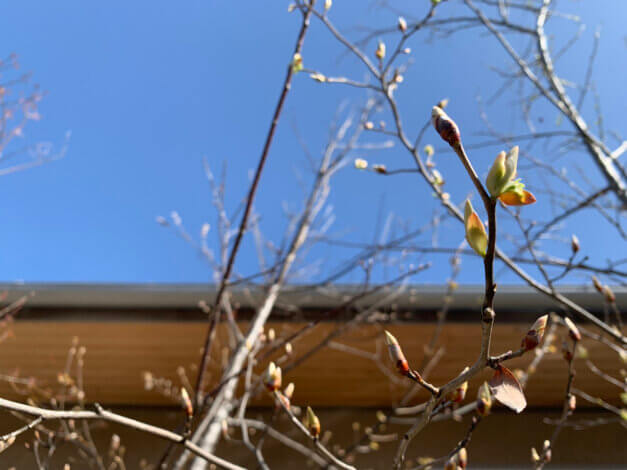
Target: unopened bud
(396,353)
(437,178)
(312,423)
(115,443)
(450,464)
(462,457)
(380,52)
(328,4)
(297,63)
(535,458)
(546,451)
(187,402)
(271,334)
(6,443)
(548,455)
(285,401)
(459,393)
(484,399)
(361,164)
(597,285)
(573,331)
(402,24)
(482,408)
(272,378)
(443,103)
(318,77)
(609,294)
(289,390)
(574,243)
(572,403)
(204,230)
(380,169)
(535,333)
(445,126)
(368,125)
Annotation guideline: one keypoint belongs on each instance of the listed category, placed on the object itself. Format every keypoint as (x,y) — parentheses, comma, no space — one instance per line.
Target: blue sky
(150,88)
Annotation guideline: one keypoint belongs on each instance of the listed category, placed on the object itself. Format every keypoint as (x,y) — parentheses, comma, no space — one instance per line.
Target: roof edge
(187,296)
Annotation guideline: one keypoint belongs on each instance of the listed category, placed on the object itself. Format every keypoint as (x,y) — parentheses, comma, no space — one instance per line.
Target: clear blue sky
(149,88)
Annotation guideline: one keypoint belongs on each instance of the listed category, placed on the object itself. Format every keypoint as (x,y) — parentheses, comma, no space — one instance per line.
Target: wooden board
(117,353)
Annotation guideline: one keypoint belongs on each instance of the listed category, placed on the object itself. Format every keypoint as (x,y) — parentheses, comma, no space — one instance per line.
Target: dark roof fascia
(186,296)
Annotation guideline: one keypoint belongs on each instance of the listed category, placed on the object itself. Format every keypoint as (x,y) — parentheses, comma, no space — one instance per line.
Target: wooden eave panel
(119,352)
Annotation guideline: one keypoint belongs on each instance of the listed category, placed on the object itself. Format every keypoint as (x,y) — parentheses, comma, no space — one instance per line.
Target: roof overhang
(187,296)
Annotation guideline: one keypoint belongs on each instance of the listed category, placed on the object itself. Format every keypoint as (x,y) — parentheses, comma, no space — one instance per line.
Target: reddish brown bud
(286,396)
(450,464)
(396,354)
(535,333)
(546,451)
(272,378)
(312,423)
(482,408)
(573,331)
(547,455)
(445,126)
(402,24)
(187,402)
(285,401)
(458,395)
(462,457)
(574,243)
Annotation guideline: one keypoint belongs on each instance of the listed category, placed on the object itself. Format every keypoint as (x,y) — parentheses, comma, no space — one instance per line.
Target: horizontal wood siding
(118,353)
